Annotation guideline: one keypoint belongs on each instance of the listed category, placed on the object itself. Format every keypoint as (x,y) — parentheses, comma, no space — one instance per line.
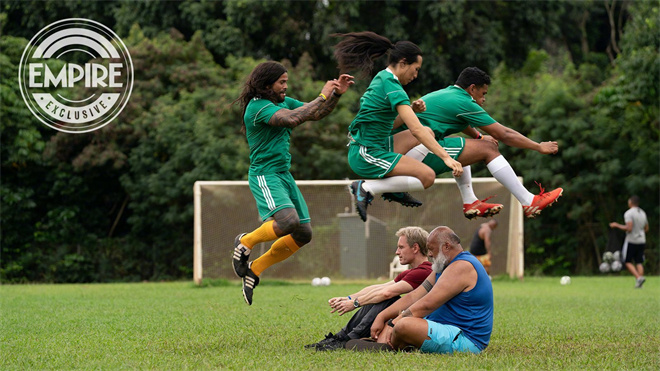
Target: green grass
(593,323)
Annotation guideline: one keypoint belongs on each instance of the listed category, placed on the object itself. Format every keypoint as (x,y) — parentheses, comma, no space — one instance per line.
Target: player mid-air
(458,108)
(374,153)
(268,117)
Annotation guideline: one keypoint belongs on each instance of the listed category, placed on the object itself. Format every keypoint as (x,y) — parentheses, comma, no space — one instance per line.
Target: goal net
(342,245)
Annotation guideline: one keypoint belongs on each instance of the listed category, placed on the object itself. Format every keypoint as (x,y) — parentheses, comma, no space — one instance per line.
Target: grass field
(594,323)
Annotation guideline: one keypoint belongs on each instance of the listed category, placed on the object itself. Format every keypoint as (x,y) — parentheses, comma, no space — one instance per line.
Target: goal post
(342,245)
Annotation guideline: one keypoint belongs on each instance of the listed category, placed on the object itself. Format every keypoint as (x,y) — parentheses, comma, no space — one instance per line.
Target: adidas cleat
(240,257)
(250,281)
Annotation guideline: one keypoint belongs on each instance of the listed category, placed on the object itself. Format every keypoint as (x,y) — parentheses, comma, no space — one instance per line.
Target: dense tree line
(116,203)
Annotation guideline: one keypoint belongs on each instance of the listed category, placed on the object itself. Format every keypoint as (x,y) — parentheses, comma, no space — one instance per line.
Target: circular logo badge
(76,75)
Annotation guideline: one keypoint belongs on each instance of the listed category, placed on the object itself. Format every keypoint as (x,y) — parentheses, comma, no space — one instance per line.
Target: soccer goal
(342,245)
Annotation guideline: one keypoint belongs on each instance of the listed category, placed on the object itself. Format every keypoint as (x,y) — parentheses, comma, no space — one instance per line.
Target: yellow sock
(262,234)
(280,250)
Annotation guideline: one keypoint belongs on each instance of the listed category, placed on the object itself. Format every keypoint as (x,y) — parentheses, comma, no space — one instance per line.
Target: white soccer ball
(604,267)
(617,255)
(316,281)
(565,280)
(325,281)
(616,266)
(608,256)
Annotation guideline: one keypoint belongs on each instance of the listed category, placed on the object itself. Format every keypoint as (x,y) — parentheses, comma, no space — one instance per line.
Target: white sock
(464,183)
(418,153)
(504,174)
(393,184)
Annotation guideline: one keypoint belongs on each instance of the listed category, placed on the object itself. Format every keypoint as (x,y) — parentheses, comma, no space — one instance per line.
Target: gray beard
(439,263)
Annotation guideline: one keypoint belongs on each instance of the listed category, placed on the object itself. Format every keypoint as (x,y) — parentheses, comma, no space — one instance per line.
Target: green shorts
(371,163)
(454,147)
(277,191)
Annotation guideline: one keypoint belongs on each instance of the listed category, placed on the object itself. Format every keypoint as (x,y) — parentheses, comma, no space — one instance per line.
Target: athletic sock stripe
(266,192)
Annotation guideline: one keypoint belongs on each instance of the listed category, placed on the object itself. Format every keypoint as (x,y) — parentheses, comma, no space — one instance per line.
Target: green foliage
(116,204)
(608,140)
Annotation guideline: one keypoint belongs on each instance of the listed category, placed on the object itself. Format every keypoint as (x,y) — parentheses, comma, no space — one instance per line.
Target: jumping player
(268,117)
(373,152)
(458,108)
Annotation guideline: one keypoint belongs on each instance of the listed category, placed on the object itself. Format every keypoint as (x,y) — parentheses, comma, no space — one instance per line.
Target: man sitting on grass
(412,250)
(452,311)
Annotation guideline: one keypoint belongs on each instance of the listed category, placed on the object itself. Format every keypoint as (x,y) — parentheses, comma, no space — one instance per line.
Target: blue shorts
(447,339)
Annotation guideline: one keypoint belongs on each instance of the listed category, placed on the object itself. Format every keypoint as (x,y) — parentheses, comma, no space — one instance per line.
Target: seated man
(452,311)
(411,249)
(480,246)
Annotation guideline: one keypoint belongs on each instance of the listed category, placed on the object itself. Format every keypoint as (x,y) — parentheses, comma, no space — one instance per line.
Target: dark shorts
(635,253)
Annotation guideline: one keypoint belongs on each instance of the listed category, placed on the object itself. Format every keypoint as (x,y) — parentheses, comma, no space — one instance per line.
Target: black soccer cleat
(250,281)
(328,338)
(362,198)
(333,344)
(404,198)
(240,259)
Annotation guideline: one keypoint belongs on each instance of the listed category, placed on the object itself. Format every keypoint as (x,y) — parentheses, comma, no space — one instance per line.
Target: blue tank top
(471,311)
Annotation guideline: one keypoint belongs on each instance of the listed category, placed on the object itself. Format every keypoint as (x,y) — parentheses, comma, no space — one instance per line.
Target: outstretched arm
(475,134)
(316,109)
(369,295)
(513,138)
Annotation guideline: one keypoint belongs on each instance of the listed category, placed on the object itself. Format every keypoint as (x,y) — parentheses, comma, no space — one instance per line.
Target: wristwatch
(356,303)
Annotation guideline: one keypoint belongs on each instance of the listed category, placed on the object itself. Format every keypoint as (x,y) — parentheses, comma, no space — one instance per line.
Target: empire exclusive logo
(76,75)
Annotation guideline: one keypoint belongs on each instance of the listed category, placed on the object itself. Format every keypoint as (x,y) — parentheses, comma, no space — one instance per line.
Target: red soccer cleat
(541,201)
(481,209)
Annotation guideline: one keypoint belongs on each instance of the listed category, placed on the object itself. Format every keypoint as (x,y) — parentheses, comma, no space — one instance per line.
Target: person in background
(635,242)
(481,243)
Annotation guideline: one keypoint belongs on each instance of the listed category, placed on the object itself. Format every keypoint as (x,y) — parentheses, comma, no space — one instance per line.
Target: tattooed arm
(312,111)
(316,109)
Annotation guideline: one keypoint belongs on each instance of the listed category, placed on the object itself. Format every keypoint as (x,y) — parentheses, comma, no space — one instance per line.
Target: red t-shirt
(415,276)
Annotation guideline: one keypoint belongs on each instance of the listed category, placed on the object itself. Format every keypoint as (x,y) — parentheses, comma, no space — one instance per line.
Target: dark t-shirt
(477,247)
(415,276)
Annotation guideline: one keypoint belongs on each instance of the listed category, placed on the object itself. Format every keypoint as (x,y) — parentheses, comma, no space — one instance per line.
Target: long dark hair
(257,85)
(358,50)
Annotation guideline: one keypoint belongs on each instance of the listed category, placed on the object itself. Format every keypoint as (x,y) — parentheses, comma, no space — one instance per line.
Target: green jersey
(269,145)
(373,124)
(452,110)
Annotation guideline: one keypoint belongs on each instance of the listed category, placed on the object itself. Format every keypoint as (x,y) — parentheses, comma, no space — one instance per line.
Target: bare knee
(403,331)
(303,234)
(427,177)
(287,221)
(490,150)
